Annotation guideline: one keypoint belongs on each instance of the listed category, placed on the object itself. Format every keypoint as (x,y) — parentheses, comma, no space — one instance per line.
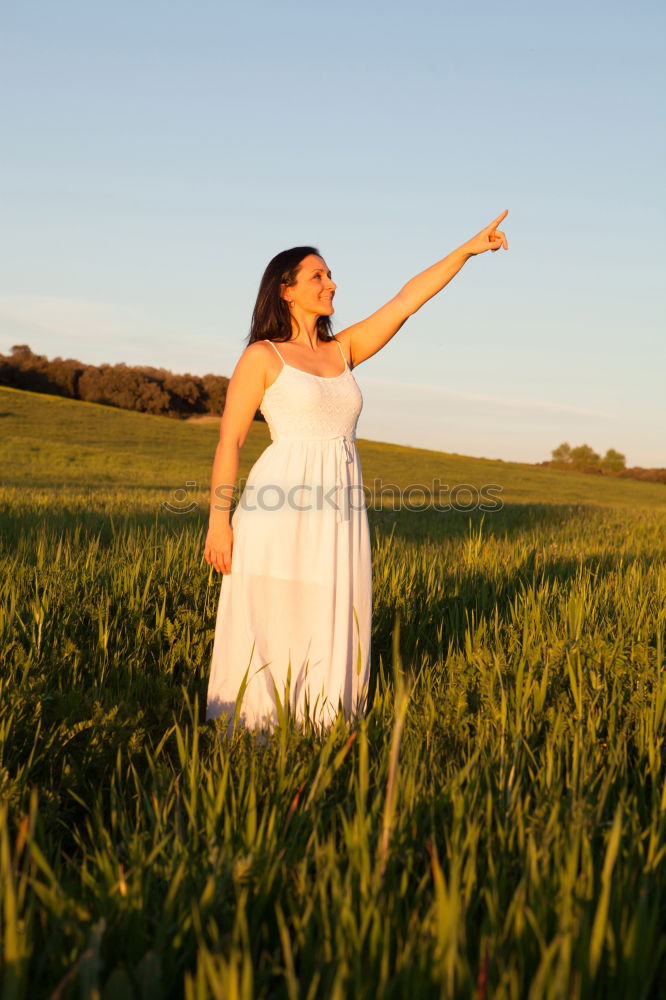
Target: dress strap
(278,353)
(341,351)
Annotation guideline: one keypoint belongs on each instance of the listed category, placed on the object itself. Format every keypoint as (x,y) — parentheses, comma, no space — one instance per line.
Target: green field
(495,826)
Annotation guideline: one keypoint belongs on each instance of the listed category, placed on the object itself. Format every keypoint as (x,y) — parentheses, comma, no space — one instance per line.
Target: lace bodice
(301,405)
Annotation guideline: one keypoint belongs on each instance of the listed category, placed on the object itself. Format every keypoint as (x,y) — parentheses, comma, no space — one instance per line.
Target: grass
(49,442)
(495,826)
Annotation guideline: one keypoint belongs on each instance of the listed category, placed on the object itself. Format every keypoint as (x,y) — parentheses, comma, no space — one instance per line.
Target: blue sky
(157,155)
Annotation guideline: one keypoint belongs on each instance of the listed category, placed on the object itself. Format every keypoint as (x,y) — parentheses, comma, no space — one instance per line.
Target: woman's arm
(367,337)
(244,394)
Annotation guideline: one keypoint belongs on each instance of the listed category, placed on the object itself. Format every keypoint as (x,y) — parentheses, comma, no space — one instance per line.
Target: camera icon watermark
(182,503)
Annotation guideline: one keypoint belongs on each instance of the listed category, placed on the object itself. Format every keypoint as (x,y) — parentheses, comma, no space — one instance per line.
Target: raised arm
(364,339)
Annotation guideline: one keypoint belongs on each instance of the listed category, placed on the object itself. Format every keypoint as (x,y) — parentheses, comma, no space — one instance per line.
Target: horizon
(212,418)
(157,158)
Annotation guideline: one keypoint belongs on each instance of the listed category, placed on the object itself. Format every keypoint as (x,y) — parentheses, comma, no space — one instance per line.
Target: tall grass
(494,827)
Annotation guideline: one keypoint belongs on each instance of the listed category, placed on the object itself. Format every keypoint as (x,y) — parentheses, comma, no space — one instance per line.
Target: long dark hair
(271,319)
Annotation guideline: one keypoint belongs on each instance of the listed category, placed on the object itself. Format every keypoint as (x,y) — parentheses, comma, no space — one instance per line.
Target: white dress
(297,604)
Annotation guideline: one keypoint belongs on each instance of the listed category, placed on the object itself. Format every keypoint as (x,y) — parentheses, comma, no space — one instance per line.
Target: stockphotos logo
(415,497)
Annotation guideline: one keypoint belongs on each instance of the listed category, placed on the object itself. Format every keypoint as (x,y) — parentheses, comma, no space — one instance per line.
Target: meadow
(494,827)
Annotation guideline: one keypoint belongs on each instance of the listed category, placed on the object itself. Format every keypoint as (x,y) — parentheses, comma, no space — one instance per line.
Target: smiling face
(313,292)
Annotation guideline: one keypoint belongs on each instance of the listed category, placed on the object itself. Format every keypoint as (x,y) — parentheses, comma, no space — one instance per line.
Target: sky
(154,156)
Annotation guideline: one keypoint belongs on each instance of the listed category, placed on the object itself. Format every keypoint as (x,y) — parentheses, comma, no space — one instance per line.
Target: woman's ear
(284,292)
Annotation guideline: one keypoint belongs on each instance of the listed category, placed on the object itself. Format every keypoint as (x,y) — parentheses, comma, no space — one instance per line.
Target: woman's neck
(304,331)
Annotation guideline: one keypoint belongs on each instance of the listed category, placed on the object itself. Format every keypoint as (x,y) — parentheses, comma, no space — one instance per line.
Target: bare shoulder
(254,353)
(255,357)
(259,362)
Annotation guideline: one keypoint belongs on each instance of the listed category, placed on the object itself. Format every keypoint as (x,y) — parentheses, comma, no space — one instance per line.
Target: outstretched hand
(490,238)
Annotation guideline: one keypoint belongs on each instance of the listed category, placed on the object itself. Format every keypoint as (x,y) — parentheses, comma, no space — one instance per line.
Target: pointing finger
(498,219)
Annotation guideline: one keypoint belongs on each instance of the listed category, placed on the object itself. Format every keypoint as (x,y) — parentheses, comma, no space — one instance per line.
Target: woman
(293,621)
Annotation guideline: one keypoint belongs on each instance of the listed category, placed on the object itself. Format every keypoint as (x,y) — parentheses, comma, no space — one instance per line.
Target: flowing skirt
(294,615)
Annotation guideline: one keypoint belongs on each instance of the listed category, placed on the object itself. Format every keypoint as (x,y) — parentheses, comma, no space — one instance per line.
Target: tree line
(583,458)
(130,387)
(159,391)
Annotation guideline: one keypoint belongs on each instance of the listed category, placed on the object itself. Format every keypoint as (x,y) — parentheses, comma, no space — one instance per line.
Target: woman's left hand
(490,238)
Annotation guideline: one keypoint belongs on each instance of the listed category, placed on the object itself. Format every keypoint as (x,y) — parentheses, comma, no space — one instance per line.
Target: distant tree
(584,457)
(613,461)
(119,385)
(30,371)
(562,454)
(64,376)
(8,373)
(215,388)
(187,393)
(151,398)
